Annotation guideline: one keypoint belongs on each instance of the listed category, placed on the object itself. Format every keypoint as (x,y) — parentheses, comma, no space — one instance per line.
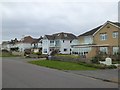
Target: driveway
(17,73)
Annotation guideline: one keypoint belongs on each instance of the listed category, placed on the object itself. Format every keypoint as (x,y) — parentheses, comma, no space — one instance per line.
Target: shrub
(54,52)
(99,57)
(27,51)
(111,67)
(95,59)
(37,53)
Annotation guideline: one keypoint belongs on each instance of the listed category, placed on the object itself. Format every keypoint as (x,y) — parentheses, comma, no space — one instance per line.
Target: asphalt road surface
(19,74)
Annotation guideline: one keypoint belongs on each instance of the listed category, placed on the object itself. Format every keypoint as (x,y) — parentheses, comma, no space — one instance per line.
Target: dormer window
(65,35)
(58,35)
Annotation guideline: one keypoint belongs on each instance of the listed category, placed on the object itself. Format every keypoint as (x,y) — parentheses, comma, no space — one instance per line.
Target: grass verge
(61,65)
(8,55)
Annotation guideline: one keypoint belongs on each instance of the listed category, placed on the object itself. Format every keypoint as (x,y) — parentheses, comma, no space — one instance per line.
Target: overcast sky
(40,18)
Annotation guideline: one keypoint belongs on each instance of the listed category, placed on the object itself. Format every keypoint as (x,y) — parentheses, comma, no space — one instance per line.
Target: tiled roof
(115,23)
(91,32)
(50,37)
(62,35)
(29,39)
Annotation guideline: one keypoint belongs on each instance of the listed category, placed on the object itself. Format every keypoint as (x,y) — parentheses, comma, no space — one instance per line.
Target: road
(17,73)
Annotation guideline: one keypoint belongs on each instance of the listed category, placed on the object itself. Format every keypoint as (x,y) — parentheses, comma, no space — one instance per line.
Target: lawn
(61,65)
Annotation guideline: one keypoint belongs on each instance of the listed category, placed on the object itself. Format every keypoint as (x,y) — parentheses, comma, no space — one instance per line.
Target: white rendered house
(61,41)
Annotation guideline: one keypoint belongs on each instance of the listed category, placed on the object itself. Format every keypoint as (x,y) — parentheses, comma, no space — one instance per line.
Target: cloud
(40,18)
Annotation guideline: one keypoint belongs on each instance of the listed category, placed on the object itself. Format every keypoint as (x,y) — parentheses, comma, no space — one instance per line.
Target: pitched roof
(91,32)
(50,37)
(115,23)
(29,39)
(62,35)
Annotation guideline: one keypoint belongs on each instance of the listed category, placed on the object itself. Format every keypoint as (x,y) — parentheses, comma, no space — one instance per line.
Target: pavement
(110,75)
(17,73)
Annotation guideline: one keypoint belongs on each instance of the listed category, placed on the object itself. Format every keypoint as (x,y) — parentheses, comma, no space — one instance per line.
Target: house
(26,42)
(103,38)
(7,45)
(60,41)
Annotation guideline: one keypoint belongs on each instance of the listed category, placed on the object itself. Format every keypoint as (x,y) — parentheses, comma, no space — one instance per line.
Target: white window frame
(103,36)
(115,34)
(104,49)
(115,50)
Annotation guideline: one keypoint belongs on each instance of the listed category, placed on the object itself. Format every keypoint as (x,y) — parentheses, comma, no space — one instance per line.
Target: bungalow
(61,41)
(104,38)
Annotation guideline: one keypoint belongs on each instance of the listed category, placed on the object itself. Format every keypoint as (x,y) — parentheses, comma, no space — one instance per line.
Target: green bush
(99,57)
(95,59)
(39,53)
(111,67)
(54,52)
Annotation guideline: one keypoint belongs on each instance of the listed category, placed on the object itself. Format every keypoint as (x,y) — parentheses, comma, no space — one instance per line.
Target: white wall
(23,46)
(45,45)
(62,45)
(39,45)
(65,45)
(6,46)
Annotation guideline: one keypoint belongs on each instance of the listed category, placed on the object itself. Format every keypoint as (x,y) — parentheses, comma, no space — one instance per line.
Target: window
(63,41)
(65,49)
(52,41)
(104,49)
(115,50)
(65,35)
(115,34)
(70,41)
(57,42)
(45,50)
(103,36)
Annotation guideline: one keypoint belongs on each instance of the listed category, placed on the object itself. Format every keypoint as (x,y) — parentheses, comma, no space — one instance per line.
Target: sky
(37,19)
